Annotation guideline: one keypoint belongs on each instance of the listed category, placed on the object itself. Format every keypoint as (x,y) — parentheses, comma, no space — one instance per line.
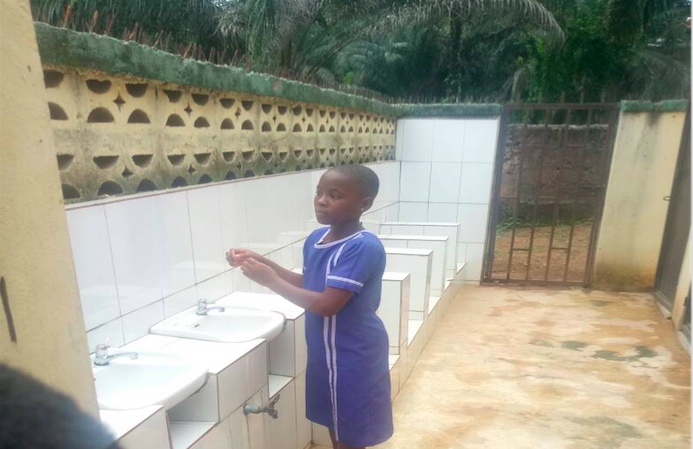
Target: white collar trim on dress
(337,242)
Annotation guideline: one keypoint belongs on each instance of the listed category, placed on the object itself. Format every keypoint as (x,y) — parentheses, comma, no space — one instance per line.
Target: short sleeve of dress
(354,264)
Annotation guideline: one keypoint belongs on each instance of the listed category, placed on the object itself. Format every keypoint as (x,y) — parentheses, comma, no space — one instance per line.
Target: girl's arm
(236,257)
(325,303)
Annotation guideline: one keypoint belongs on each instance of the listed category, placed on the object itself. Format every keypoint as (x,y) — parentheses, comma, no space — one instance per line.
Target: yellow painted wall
(635,211)
(49,341)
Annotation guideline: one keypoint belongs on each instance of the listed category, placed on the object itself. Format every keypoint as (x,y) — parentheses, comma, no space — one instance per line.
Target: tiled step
(437,244)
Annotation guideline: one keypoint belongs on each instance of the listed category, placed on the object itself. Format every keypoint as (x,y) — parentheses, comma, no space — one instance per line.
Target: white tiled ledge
(426,238)
(272,302)
(418,223)
(277,383)
(120,422)
(217,356)
(185,434)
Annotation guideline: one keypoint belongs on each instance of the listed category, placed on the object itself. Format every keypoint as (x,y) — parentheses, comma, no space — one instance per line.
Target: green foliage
(419,50)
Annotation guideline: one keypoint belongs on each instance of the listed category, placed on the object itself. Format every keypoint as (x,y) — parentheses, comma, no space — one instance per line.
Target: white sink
(232,325)
(151,379)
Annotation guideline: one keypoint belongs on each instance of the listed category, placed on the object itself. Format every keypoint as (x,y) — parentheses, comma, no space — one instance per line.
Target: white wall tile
(205,225)
(203,405)
(258,369)
(474,259)
(136,324)
(480,140)
(300,344)
(442,213)
(399,140)
(110,333)
(232,207)
(216,287)
(413,212)
(233,387)
(172,224)
(389,176)
(91,251)
(438,263)
(303,426)
(445,182)
(473,219)
(240,283)
(265,222)
(448,140)
(419,268)
(239,430)
(217,438)
(282,431)
(136,252)
(152,434)
(180,301)
(417,139)
(282,352)
(475,186)
(400,229)
(390,310)
(257,428)
(415,181)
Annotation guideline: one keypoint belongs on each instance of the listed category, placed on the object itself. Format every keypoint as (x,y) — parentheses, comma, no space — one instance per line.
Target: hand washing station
(133,380)
(222,324)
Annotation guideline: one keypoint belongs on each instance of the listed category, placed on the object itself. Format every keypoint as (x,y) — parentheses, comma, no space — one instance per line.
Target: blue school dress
(348,376)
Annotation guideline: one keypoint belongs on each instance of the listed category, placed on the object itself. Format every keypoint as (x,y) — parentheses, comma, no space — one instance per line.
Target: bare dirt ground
(540,253)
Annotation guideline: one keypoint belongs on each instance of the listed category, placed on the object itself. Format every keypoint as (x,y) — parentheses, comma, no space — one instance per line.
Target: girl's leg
(338,445)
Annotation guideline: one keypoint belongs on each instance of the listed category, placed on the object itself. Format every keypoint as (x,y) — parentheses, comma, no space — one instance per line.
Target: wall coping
(64,47)
(648,106)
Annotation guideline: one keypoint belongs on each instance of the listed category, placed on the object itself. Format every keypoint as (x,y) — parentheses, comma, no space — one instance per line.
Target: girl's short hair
(364,177)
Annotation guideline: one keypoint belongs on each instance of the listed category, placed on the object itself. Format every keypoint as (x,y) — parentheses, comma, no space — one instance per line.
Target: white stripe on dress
(328,358)
(334,377)
(350,281)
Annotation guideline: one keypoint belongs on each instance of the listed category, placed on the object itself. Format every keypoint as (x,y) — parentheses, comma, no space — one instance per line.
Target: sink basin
(151,379)
(232,325)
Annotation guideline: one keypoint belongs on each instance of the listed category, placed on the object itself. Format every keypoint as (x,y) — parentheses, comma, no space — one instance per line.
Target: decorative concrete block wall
(118,135)
(128,118)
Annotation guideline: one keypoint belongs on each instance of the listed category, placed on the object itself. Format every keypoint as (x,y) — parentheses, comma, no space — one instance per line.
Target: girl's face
(338,199)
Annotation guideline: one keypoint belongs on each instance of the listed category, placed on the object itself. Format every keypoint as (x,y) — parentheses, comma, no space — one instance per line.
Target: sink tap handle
(101,350)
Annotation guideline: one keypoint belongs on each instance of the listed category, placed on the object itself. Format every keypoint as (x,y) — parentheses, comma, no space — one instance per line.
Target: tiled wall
(446,176)
(146,257)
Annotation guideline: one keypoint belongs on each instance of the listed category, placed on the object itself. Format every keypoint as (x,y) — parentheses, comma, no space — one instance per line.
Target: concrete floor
(548,369)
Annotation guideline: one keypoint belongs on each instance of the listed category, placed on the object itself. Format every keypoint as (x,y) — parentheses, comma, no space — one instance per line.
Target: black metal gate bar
(556,203)
(535,213)
(554,145)
(585,142)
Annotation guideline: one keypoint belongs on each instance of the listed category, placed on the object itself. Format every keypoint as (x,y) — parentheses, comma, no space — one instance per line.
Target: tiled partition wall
(145,257)
(446,176)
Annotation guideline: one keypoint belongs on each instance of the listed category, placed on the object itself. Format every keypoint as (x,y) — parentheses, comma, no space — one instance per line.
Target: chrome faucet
(269,409)
(103,358)
(203,308)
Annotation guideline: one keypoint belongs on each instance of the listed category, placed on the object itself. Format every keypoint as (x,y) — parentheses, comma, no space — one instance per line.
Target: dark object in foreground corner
(34,416)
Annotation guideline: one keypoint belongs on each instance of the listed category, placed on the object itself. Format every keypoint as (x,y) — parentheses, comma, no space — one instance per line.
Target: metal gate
(552,167)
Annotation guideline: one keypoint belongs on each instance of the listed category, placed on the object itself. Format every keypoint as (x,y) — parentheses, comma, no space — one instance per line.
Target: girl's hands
(258,271)
(236,256)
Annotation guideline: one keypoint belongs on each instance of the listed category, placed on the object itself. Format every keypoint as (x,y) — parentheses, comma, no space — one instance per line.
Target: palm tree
(304,38)
(181,21)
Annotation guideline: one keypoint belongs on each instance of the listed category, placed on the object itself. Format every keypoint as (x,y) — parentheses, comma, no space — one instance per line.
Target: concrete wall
(41,328)
(683,286)
(635,210)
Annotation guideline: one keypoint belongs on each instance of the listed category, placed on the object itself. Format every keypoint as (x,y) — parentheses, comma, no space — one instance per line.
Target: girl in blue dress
(347,377)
